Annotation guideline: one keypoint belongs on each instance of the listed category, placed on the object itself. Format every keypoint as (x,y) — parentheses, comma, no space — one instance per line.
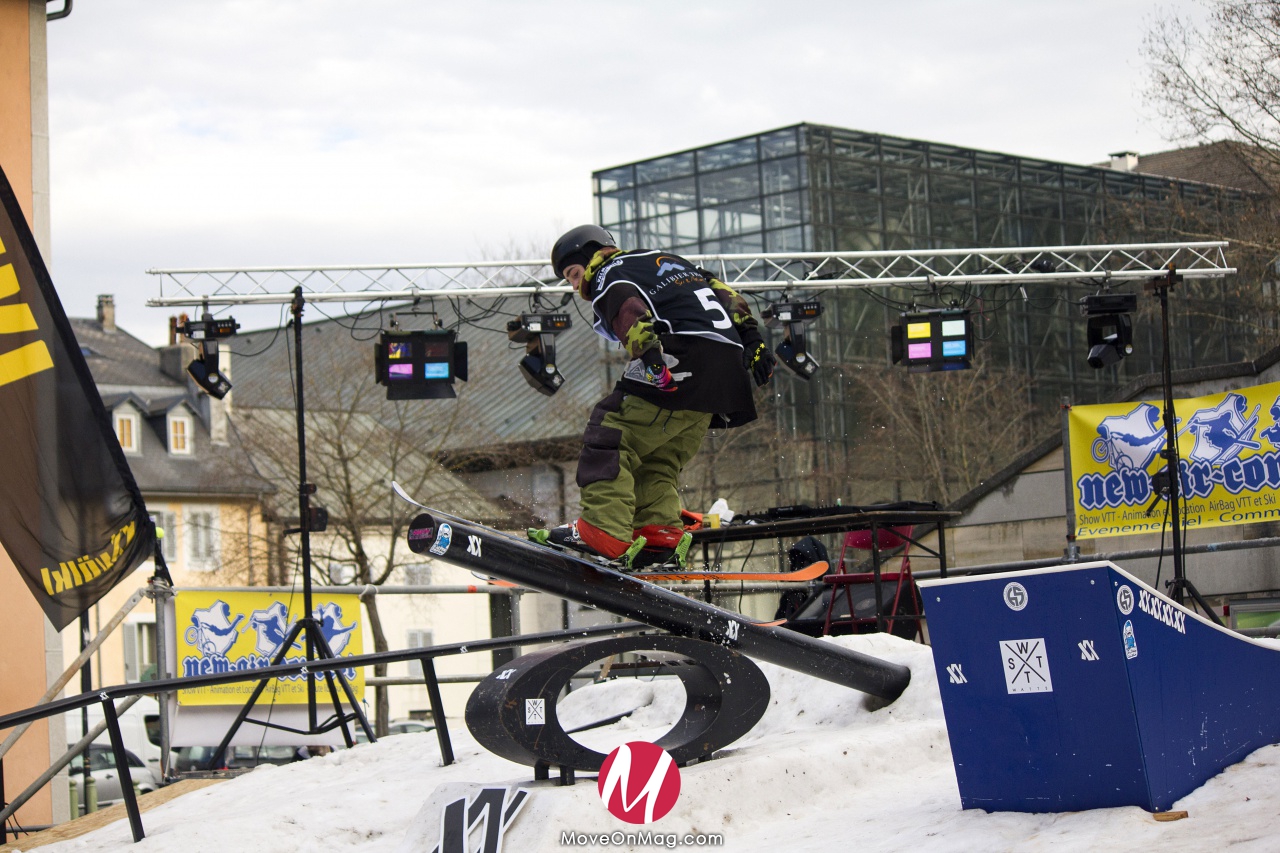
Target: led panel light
(928,341)
(918,330)
(421,364)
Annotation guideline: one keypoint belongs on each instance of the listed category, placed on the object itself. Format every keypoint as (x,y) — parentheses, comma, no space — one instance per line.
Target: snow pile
(824,769)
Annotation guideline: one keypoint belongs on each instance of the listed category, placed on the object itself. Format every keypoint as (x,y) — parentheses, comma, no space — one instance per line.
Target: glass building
(818,188)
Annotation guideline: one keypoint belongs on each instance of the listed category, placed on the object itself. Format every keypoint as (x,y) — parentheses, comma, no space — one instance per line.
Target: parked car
(189,758)
(106,775)
(139,727)
(396,727)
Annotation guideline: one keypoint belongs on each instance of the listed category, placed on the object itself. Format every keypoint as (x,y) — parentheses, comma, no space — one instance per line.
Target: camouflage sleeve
(640,337)
(734,304)
(632,324)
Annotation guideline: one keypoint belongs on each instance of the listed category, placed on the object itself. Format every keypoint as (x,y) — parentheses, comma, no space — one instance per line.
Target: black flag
(71,516)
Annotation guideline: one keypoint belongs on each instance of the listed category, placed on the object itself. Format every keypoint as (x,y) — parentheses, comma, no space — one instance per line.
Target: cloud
(228,133)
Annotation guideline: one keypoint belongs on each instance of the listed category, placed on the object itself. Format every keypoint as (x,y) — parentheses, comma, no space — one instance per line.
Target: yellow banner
(222,631)
(1229,446)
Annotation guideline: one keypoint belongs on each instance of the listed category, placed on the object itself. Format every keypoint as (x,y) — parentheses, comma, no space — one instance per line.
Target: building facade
(818,188)
(192,472)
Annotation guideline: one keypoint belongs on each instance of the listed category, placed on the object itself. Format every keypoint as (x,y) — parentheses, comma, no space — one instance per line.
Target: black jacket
(700,342)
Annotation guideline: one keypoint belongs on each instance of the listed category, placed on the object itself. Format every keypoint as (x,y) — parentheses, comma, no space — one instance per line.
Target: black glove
(656,370)
(758,359)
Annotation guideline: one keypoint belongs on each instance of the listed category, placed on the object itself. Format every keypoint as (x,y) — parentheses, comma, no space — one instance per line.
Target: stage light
(794,350)
(1109,332)
(935,340)
(421,364)
(205,370)
(538,333)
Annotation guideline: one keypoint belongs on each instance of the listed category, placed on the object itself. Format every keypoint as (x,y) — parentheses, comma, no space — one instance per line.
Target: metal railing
(108,696)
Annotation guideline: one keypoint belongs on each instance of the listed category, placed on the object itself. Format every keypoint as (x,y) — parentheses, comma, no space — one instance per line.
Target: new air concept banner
(220,631)
(71,516)
(1229,446)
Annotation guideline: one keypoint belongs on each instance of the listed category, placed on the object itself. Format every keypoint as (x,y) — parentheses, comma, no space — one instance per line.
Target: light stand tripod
(1180,586)
(307,625)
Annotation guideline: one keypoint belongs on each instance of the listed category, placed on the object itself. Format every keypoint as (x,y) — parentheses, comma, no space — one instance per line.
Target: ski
(808,573)
(667,574)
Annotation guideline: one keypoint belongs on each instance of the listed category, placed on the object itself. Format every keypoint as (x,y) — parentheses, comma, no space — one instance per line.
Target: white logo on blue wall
(1124,599)
(444,537)
(1015,595)
(1130,443)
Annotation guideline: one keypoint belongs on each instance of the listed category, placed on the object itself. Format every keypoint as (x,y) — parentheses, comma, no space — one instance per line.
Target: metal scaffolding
(809,271)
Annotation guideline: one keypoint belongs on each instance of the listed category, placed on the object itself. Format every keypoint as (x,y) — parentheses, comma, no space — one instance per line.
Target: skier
(694,349)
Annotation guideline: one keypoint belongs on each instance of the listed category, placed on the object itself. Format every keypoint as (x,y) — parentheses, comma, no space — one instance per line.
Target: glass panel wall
(738,196)
(818,188)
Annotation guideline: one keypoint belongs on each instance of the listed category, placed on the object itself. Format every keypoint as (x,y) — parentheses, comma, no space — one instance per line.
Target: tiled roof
(118,359)
(130,371)
(352,459)
(1226,164)
(495,406)
(208,471)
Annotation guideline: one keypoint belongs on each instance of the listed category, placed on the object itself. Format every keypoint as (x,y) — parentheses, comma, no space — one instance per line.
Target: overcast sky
(309,132)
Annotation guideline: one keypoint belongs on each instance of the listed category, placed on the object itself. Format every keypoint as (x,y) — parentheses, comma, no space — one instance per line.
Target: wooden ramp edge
(88,823)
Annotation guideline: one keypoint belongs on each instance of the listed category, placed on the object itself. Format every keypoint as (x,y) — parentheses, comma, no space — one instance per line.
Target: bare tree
(946,431)
(357,444)
(1216,83)
(1221,80)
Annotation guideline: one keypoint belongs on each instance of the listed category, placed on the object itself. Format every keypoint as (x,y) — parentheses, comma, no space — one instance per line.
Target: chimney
(107,312)
(175,358)
(1124,161)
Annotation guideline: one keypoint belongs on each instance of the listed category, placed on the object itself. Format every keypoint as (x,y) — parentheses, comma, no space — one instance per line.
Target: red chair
(906,597)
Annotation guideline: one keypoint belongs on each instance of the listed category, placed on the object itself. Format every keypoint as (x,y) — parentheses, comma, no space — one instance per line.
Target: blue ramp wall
(1080,687)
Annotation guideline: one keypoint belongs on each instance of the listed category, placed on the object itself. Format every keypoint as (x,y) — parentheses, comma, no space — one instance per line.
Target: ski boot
(666,545)
(586,538)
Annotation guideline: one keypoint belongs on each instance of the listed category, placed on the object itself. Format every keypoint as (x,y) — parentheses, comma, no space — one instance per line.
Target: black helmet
(578,245)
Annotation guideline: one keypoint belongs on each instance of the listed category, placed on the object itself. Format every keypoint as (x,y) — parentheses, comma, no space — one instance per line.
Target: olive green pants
(632,456)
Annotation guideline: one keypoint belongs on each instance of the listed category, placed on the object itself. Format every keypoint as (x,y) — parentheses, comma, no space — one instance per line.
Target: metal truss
(805,271)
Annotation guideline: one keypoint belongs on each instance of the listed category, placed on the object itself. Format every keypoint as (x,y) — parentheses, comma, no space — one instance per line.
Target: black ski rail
(520,561)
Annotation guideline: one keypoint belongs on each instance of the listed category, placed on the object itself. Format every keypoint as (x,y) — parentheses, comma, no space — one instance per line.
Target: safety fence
(108,696)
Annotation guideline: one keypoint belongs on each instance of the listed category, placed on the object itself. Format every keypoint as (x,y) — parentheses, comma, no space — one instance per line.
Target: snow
(826,768)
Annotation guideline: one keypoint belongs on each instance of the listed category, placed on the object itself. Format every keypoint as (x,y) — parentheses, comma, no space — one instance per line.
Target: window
(418,574)
(139,651)
(341,574)
(127,431)
(202,537)
(168,522)
(180,435)
(418,638)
